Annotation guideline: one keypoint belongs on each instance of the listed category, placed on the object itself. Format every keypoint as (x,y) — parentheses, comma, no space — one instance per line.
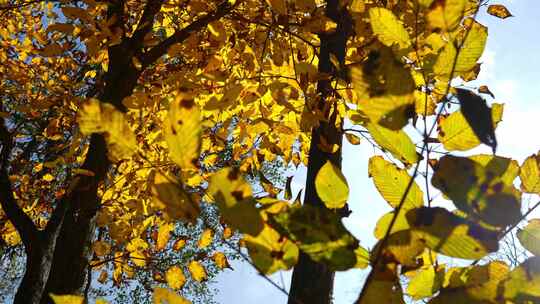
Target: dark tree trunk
(312,282)
(73,252)
(38,265)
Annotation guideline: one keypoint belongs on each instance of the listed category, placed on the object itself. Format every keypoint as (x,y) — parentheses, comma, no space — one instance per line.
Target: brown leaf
(499,10)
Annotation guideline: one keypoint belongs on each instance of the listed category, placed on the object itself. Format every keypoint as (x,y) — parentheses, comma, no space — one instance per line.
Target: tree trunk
(73,253)
(38,265)
(312,282)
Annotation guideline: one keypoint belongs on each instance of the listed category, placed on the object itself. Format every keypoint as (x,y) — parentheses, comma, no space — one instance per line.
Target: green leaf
(398,143)
(98,117)
(530,174)
(320,234)
(270,251)
(529,236)
(388,28)
(451,235)
(331,186)
(425,283)
(456,134)
(182,130)
(477,190)
(523,283)
(391,182)
(235,201)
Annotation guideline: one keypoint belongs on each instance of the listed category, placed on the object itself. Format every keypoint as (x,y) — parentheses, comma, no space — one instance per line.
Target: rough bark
(312,282)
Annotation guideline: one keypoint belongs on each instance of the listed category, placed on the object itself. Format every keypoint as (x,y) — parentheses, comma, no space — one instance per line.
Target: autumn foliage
(135,132)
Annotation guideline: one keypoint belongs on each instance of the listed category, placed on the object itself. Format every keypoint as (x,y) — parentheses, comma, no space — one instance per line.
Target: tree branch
(180,35)
(147,20)
(22,222)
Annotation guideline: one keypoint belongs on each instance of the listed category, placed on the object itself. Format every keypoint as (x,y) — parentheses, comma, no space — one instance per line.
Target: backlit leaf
(391,182)
(271,252)
(469,53)
(331,186)
(165,296)
(523,283)
(197,271)
(98,117)
(478,116)
(499,10)
(175,277)
(388,28)
(398,143)
(320,234)
(234,198)
(456,134)
(477,190)
(425,283)
(206,238)
(173,199)
(451,235)
(67,299)
(530,174)
(529,237)
(446,14)
(221,260)
(182,130)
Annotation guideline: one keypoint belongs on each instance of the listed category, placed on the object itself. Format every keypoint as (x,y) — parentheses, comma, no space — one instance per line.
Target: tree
(127,110)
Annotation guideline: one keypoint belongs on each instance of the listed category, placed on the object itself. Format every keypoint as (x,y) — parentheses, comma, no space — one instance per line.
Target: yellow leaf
(388,28)
(235,201)
(175,277)
(182,130)
(391,182)
(398,143)
(352,139)
(164,234)
(97,117)
(165,296)
(101,248)
(221,260)
(179,244)
(198,273)
(455,133)
(469,53)
(67,299)
(499,10)
(206,238)
(530,174)
(48,177)
(271,252)
(446,14)
(331,186)
(529,236)
(171,197)
(280,6)
(357,6)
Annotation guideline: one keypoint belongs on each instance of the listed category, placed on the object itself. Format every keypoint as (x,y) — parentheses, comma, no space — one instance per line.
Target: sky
(511,69)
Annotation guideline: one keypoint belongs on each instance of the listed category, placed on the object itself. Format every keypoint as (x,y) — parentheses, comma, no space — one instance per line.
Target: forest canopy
(144,144)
